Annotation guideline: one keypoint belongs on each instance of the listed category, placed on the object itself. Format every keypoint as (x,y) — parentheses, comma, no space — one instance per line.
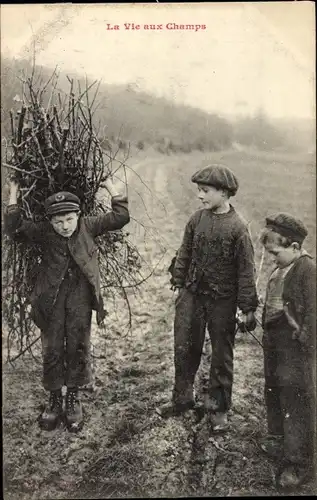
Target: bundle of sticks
(54,147)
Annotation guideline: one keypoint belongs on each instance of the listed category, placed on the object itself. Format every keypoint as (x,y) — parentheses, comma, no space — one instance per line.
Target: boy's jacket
(216,257)
(299,299)
(56,251)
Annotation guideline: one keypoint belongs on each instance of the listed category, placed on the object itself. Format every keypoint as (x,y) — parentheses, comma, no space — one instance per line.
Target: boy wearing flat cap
(289,340)
(66,290)
(214,273)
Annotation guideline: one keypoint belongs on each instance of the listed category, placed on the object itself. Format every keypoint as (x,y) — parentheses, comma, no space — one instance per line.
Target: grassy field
(125,449)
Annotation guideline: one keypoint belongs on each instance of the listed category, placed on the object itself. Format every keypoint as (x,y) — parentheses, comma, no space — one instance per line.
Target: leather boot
(219,422)
(53,412)
(272,445)
(293,476)
(174,409)
(74,411)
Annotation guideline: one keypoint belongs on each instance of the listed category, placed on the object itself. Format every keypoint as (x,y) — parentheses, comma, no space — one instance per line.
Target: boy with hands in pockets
(289,341)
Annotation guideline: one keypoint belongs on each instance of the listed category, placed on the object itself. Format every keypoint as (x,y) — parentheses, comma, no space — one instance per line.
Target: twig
(35,139)
(21,120)
(224,450)
(61,154)
(24,350)
(17,169)
(29,190)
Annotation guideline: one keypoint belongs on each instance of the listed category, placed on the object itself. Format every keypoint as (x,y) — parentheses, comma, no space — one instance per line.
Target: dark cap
(288,226)
(62,202)
(219,176)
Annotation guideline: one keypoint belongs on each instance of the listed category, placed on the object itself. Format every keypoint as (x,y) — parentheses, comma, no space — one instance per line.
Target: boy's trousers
(192,313)
(66,340)
(290,392)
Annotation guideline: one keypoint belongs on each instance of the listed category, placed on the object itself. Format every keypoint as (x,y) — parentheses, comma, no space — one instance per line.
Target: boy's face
(282,256)
(65,224)
(210,196)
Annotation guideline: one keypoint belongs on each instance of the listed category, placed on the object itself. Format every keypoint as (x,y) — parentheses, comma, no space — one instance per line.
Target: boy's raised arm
(13,193)
(14,225)
(116,219)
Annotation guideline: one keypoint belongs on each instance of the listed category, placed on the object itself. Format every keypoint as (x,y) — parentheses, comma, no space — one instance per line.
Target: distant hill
(126,115)
(134,116)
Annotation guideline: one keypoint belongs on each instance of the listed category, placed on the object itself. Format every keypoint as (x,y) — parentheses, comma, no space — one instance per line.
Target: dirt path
(125,449)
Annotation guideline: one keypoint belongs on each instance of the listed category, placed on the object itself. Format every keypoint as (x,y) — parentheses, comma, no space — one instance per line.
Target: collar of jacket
(303,254)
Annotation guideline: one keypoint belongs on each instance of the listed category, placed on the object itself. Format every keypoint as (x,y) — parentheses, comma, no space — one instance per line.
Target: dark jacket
(299,299)
(57,250)
(217,257)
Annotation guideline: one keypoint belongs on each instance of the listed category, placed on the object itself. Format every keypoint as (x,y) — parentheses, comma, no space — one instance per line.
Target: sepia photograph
(158,179)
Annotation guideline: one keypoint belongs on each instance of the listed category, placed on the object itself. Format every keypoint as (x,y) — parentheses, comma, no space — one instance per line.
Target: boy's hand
(14,190)
(109,185)
(249,321)
(246,321)
(301,335)
(13,184)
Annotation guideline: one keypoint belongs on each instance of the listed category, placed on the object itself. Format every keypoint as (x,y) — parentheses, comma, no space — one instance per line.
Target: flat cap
(217,175)
(62,202)
(287,226)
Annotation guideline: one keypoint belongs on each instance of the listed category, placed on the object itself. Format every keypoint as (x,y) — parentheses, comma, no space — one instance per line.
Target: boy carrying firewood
(66,290)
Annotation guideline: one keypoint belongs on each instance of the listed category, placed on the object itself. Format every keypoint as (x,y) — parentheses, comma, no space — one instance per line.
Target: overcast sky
(250,55)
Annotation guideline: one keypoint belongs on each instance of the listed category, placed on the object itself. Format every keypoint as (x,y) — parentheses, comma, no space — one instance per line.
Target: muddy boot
(174,409)
(74,411)
(292,476)
(219,422)
(182,400)
(52,415)
(272,445)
